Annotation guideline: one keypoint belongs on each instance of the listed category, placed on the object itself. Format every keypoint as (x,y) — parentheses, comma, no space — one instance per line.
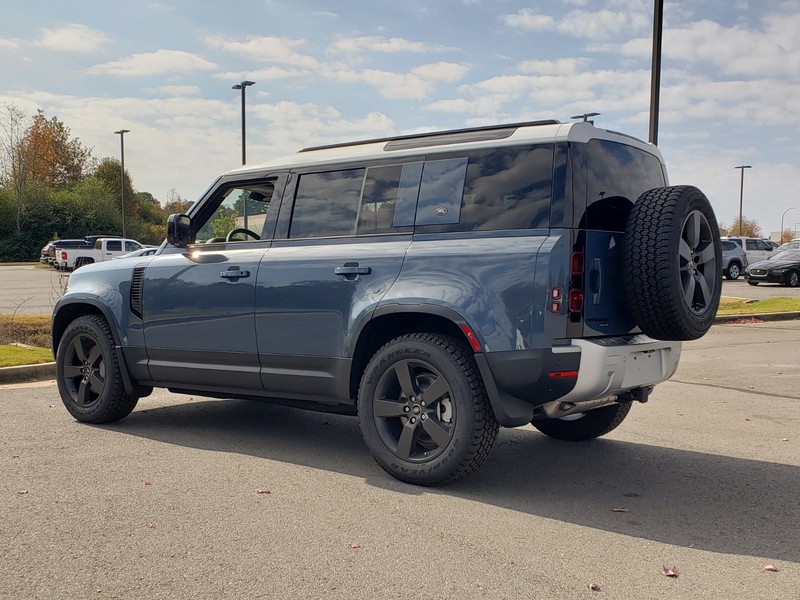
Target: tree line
(52,187)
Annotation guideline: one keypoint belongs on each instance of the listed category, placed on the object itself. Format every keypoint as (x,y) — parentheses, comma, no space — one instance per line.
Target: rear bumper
(519,381)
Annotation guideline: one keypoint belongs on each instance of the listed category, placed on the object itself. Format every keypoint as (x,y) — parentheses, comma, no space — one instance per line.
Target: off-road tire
(88,373)
(430,450)
(673,263)
(591,425)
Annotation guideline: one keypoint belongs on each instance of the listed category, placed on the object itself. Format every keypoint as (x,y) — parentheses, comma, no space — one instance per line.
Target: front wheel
(752,282)
(733,271)
(585,426)
(792,279)
(423,410)
(88,373)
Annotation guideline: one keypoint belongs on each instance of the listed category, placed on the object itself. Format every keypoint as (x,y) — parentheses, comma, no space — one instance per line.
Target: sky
(344,70)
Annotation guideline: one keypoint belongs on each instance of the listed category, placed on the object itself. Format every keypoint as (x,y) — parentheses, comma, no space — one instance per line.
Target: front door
(198,302)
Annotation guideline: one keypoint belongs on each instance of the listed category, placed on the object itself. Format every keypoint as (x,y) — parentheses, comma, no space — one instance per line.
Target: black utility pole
(741,193)
(655,71)
(242,86)
(121,134)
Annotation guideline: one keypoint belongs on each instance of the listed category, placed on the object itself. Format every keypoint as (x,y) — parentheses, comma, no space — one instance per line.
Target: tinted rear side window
(727,246)
(501,189)
(326,204)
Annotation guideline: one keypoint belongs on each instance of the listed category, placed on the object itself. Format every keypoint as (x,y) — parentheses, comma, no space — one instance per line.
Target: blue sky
(336,71)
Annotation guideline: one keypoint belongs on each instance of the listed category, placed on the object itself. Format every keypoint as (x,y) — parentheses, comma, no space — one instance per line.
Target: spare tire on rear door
(673,263)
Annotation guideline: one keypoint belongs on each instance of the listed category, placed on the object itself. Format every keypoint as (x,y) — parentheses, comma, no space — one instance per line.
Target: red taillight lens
(63,255)
(577,263)
(575,301)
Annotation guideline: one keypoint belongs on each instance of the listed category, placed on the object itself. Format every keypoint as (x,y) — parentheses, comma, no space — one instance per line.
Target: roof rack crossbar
(416,136)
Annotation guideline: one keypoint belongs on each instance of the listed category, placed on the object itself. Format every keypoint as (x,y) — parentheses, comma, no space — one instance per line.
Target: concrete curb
(44,371)
(25,373)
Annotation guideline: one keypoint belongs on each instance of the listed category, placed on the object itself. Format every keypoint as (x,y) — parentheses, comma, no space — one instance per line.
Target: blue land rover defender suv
(436,285)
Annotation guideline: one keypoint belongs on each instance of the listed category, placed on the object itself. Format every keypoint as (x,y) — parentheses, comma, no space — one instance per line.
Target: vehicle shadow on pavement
(689,499)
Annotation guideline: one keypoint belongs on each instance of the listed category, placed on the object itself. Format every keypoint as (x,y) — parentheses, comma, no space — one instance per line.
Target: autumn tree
(750,228)
(53,157)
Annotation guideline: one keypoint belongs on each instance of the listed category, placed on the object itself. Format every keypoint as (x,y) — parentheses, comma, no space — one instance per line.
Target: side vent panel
(137,285)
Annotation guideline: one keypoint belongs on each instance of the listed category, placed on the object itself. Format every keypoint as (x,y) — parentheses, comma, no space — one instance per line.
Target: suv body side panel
(486,277)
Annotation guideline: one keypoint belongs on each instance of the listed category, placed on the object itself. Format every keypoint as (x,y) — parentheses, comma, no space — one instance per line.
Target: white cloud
(266,49)
(268,74)
(366,44)
(153,63)
(417,84)
(9,43)
(592,24)
(72,38)
(561,66)
(176,90)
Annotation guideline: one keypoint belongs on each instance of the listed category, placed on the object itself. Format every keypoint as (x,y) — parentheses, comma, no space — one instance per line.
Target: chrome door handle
(234,273)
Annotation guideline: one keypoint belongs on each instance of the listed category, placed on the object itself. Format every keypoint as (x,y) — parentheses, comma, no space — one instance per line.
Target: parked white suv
(756,248)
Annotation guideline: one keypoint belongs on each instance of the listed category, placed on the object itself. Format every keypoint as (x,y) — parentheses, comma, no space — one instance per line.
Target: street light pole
(121,134)
(242,86)
(741,193)
(783,215)
(655,69)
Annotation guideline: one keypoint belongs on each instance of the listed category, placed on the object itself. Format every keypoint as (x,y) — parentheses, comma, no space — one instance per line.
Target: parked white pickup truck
(104,249)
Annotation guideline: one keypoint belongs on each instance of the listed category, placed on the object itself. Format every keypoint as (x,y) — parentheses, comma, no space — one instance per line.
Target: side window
(752,245)
(762,245)
(114,245)
(131,246)
(508,188)
(242,207)
(379,199)
(326,204)
(441,191)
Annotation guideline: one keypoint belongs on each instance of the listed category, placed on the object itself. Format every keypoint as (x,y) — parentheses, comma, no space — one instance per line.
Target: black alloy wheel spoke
(388,408)
(435,391)
(84,396)
(437,431)
(77,347)
(96,383)
(72,371)
(407,441)
(94,355)
(403,372)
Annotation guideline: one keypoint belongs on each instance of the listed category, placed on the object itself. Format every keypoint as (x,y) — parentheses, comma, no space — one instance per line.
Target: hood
(774,264)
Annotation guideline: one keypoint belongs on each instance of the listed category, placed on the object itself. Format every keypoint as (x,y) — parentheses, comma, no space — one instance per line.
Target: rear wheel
(585,426)
(88,373)
(423,410)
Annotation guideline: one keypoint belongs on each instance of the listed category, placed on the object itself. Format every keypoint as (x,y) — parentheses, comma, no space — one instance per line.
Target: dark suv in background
(437,285)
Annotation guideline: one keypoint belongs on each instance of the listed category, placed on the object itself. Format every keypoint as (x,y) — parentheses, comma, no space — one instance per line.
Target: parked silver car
(734,259)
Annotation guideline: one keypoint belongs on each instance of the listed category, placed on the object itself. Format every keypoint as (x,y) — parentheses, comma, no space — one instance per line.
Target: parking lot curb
(44,371)
(25,373)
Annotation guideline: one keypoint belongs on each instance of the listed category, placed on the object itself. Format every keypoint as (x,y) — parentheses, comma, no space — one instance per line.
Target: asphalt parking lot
(171,502)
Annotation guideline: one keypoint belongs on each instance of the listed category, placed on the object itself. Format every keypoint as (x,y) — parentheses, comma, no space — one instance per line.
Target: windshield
(787,255)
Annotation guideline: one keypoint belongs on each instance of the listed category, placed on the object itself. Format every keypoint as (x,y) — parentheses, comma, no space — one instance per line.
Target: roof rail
(439,134)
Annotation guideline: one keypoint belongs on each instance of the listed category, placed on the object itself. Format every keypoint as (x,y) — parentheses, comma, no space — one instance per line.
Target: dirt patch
(33,330)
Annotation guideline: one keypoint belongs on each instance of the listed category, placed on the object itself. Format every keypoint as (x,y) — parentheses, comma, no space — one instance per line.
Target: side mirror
(179,230)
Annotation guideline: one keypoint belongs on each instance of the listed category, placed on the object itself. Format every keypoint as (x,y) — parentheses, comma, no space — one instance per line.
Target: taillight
(63,255)
(577,263)
(575,301)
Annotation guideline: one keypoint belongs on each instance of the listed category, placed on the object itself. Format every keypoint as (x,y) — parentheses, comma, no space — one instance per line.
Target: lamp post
(655,69)
(243,86)
(741,193)
(121,134)
(783,215)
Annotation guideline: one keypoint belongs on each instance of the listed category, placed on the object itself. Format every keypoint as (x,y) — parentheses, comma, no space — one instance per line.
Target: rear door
(345,238)
(616,175)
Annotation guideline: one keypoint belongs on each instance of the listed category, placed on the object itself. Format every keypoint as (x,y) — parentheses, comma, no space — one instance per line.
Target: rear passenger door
(757,250)
(345,236)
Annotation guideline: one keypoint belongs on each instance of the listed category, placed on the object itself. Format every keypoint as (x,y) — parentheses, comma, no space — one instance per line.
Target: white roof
(372,150)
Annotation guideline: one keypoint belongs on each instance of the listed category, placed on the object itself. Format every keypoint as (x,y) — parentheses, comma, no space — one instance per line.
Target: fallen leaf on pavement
(594,587)
(770,568)
(354,545)
(666,572)
(146,482)
(151,525)
(263,492)
(22,491)
(620,510)
(784,439)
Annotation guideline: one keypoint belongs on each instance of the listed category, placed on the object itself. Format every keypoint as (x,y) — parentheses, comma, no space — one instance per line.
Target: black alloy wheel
(698,261)
(88,373)
(423,410)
